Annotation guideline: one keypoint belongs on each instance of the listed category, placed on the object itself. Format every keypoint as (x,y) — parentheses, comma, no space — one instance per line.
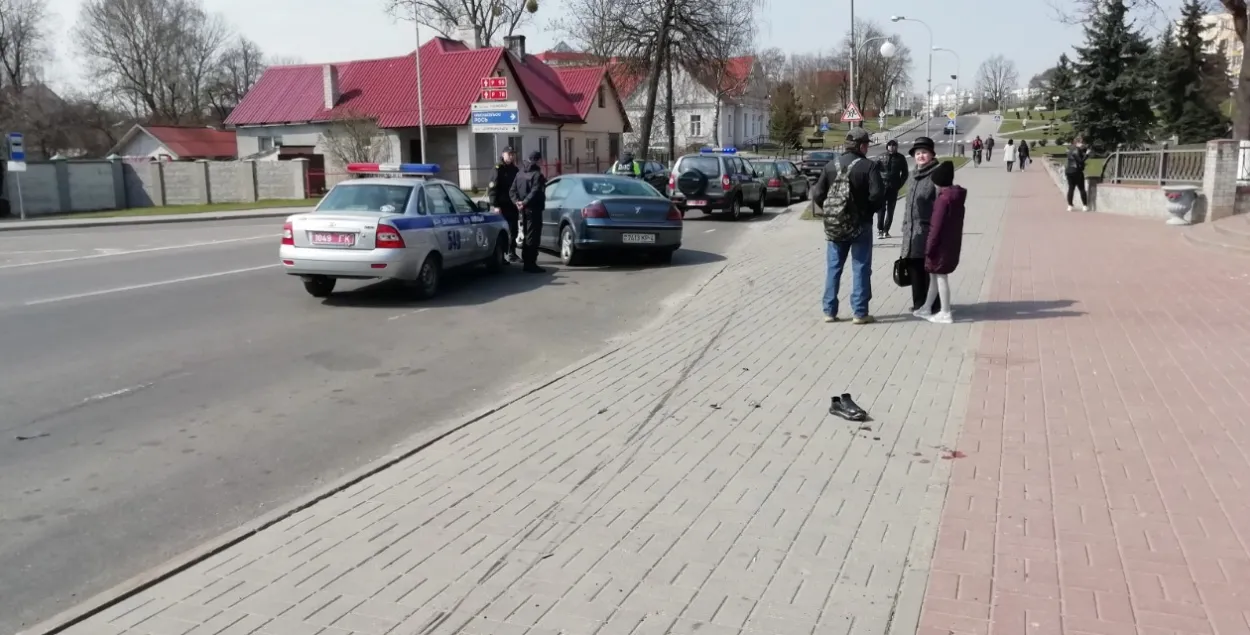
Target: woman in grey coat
(921,193)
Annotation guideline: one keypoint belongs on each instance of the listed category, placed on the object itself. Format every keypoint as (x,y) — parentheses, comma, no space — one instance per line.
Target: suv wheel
(735,208)
(757,209)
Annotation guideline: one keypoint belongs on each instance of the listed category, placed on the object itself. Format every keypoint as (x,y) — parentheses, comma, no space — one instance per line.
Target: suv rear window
(822,156)
(707,165)
(378,198)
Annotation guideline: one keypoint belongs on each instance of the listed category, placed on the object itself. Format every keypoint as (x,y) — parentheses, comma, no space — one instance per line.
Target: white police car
(407,226)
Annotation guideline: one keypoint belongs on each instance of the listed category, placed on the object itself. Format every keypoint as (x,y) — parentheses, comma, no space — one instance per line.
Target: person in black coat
(529,194)
(499,195)
(894,174)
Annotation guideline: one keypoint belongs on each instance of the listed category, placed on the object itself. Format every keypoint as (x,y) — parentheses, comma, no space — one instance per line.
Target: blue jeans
(860,251)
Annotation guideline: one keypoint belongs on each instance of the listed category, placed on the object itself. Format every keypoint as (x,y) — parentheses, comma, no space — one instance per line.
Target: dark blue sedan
(599,212)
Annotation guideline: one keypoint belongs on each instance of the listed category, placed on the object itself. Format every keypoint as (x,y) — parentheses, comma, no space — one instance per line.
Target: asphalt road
(165,383)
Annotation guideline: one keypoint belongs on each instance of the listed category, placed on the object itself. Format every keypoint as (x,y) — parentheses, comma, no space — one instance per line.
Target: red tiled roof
(386,89)
(582,85)
(195,142)
(625,79)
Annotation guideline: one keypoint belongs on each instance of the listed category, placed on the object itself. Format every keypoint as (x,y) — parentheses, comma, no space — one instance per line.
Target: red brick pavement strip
(1106,484)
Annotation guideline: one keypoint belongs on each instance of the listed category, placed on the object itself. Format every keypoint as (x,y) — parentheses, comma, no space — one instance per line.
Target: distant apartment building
(1218,30)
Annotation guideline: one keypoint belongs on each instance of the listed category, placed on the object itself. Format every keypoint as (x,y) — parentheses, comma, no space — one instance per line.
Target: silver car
(409,229)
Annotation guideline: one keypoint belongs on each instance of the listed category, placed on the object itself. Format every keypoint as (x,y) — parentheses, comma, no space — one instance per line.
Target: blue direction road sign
(17,147)
(950,125)
(495,117)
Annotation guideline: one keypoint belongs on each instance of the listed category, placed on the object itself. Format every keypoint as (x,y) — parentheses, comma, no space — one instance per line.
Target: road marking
(116,393)
(125,252)
(396,317)
(708,231)
(39,251)
(147,285)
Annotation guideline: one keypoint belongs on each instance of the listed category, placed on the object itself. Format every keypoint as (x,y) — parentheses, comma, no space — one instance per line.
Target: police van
(396,222)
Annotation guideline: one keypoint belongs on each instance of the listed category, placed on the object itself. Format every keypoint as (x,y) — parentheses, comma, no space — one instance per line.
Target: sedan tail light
(288,234)
(672,183)
(595,210)
(388,237)
(674,214)
(774,182)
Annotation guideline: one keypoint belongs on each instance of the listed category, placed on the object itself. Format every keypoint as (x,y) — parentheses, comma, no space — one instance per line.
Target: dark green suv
(716,180)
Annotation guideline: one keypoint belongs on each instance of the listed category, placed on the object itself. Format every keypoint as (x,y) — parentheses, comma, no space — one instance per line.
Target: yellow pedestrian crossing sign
(851,113)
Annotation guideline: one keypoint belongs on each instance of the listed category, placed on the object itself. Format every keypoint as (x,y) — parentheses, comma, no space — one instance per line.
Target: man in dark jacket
(529,193)
(894,174)
(989,148)
(846,196)
(1074,172)
(499,195)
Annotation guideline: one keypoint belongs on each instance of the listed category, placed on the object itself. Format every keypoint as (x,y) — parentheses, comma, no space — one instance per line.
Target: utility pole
(854,50)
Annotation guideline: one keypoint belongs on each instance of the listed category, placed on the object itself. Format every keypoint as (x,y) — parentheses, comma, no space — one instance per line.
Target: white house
(174,143)
(573,116)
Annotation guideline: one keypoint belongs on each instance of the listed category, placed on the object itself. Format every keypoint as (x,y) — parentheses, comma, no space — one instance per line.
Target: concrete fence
(59,187)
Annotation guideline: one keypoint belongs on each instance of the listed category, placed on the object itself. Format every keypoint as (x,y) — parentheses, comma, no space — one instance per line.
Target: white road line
(708,231)
(147,285)
(396,317)
(39,251)
(111,253)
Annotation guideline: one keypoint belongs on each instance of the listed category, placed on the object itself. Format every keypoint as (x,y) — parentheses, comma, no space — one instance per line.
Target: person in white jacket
(1009,153)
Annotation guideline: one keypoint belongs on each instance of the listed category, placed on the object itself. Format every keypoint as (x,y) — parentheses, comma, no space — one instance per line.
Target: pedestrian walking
(989,148)
(499,194)
(530,196)
(1074,172)
(1009,154)
(921,194)
(1023,151)
(942,246)
(847,194)
(893,168)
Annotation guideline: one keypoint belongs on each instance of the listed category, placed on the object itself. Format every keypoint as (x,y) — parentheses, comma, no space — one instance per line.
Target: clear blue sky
(335,30)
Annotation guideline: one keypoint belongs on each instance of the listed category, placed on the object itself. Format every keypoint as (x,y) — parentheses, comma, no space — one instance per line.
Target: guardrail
(1156,167)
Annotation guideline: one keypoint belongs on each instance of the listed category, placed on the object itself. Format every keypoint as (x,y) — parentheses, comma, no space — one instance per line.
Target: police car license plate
(697,203)
(637,238)
(332,238)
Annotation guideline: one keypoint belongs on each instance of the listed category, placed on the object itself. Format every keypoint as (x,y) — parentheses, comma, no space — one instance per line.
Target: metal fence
(1156,167)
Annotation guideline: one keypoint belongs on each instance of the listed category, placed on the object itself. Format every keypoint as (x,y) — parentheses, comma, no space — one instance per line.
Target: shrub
(1041,142)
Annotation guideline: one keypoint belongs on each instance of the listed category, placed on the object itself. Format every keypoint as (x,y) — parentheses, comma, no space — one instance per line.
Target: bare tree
(877,77)
(491,18)
(772,64)
(996,79)
(155,57)
(237,70)
(23,41)
(355,138)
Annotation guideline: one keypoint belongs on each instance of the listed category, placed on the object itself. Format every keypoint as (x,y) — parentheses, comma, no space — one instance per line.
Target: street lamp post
(887,50)
(416,21)
(929,94)
(958,72)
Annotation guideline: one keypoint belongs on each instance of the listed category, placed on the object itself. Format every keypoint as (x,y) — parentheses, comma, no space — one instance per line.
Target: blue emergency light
(729,150)
(414,169)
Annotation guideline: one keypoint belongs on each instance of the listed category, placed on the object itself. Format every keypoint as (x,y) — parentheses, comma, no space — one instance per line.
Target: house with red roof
(725,106)
(573,116)
(176,143)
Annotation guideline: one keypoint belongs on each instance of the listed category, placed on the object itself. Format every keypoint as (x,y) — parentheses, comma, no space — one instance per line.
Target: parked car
(654,173)
(783,181)
(716,180)
(603,212)
(814,163)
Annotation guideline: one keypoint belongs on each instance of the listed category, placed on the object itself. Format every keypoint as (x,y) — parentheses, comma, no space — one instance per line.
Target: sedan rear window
(707,165)
(766,169)
(617,187)
(822,156)
(378,198)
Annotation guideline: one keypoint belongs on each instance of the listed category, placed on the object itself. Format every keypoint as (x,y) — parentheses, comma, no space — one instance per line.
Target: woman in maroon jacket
(946,232)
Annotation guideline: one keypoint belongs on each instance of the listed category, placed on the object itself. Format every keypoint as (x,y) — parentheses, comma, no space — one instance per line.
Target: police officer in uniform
(498,193)
(530,196)
(627,166)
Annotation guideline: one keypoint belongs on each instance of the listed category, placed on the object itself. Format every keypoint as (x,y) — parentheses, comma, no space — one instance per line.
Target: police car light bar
(417,169)
(729,150)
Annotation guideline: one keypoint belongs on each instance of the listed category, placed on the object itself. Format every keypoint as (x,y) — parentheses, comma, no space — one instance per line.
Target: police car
(401,224)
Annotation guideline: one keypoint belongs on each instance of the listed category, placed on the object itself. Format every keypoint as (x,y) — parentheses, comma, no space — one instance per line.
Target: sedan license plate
(697,203)
(332,238)
(636,239)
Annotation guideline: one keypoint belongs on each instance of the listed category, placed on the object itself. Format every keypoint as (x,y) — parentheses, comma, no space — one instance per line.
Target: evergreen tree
(786,120)
(1192,83)
(1164,50)
(1112,105)
(1062,83)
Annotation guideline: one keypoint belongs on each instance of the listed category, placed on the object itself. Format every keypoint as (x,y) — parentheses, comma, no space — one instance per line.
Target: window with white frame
(568,149)
(264,143)
(696,125)
(542,148)
(592,149)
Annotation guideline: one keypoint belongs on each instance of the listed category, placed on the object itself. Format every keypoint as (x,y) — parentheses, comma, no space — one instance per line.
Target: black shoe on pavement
(533,269)
(843,406)
(514,258)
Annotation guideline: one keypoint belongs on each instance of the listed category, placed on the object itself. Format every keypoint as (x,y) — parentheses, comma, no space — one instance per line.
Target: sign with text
(495,94)
(495,116)
(494,82)
(17,147)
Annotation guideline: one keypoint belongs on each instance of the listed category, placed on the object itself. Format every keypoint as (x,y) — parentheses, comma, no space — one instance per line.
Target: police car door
(447,226)
(477,242)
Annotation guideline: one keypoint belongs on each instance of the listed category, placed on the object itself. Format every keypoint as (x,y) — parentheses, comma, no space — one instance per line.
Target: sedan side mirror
(483,206)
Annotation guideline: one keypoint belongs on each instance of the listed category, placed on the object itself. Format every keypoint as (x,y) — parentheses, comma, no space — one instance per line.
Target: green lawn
(1093,166)
(890,122)
(169,210)
(958,161)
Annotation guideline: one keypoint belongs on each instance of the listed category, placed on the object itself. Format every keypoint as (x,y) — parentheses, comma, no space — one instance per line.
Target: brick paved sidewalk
(1106,488)
(691,481)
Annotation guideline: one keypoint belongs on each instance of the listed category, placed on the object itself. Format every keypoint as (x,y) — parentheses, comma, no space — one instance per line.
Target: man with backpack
(845,197)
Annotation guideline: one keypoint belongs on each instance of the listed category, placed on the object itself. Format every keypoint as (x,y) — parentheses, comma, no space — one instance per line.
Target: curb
(408,448)
(111,221)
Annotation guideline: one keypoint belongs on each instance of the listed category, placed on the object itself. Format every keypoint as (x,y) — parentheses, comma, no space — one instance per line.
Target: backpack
(839,211)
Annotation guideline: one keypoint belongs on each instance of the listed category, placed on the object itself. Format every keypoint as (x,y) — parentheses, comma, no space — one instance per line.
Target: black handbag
(902,273)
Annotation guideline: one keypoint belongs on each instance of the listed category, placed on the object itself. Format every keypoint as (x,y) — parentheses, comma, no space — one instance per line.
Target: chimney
(330,84)
(469,34)
(516,45)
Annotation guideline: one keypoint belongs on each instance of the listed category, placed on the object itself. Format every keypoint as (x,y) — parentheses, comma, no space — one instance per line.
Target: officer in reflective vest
(627,166)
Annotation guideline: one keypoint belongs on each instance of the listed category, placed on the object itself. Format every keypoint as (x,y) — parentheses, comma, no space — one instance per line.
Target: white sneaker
(942,317)
(923,314)
(1069,208)
(1084,208)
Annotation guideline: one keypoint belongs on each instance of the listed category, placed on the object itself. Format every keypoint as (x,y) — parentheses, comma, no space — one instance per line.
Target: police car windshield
(377,198)
(707,165)
(822,156)
(617,187)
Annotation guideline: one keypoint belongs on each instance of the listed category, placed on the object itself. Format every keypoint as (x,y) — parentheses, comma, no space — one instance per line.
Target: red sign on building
(495,82)
(495,94)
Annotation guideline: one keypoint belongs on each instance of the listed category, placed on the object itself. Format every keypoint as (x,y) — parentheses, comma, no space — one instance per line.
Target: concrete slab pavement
(113,221)
(690,480)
